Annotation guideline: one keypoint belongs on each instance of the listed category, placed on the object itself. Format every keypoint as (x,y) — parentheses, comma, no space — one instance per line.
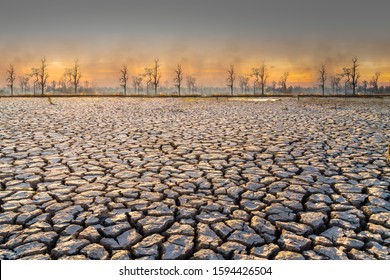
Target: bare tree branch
(124,78)
(231,77)
(43,75)
(374,81)
(11,78)
(263,74)
(75,75)
(322,78)
(178,77)
(355,75)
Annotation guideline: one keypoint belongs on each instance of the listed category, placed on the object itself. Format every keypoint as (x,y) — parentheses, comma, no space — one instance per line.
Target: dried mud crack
(101,178)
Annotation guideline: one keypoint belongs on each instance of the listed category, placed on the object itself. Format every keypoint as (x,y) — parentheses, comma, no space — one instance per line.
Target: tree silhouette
(230,79)
(23,82)
(256,78)
(43,75)
(263,75)
(244,83)
(335,83)
(124,78)
(346,74)
(35,75)
(156,75)
(374,81)
(191,84)
(148,75)
(75,75)
(11,78)
(355,75)
(283,82)
(178,77)
(137,83)
(322,78)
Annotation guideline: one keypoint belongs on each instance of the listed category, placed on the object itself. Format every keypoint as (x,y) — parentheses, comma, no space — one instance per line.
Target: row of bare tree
(350,77)
(152,76)
(39,77)
(260,76)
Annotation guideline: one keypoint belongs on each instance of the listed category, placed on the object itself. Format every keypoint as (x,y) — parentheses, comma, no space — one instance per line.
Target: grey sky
(204,35)
(87,19)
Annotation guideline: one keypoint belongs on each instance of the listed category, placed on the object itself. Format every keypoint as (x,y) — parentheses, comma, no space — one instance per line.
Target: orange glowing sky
(204,36)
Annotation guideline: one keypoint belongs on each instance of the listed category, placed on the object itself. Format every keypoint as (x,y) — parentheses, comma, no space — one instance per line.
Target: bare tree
(191,84)
(137,83)
(23,82)
(178,77)
(256,78)
(322,78)
(124,78)
(35,75)
(374,82)
(355,75)
(75,75)
(148,76)
(283,82)
(244,83)
(43,75)
(11,78)
(346,74)
(156,75)
(335,83)
(263,74)
(230,79)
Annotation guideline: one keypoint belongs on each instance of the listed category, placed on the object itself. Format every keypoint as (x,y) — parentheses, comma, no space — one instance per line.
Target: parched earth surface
(124,178)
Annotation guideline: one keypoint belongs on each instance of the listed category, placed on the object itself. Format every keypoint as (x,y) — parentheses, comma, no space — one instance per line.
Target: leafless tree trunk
(124,78)
(355,75)
(148,75)
(35,75)
(322,78)
(230,79)
(347,78)
(374,82)
(283,82)
(244,84)
(11,78)
(137,83)
(134,83)
(191,84)
(256,74)
(178,77)
(43,75)
(23,82)
(75,75)
(335,83)
(156,75)
(263,74)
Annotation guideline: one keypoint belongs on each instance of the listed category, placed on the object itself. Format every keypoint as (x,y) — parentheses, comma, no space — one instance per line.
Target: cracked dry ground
(174,179)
